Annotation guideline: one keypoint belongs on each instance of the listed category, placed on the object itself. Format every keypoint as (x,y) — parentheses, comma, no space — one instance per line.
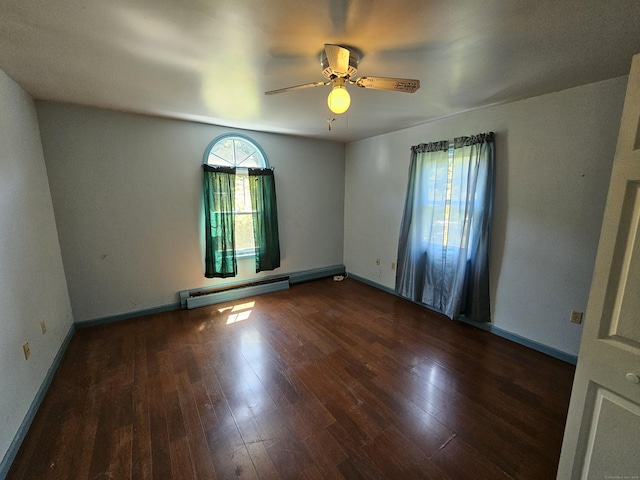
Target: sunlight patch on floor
(238,313)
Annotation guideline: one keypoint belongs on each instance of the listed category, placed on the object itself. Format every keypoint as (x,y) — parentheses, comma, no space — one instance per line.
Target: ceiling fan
(340,64)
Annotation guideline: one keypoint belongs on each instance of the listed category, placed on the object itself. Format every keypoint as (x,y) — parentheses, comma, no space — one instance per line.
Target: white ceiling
(212,60)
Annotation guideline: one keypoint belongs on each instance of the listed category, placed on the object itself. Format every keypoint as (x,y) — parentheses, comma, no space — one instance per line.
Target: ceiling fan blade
(297,87)
(338,58)
(406,85)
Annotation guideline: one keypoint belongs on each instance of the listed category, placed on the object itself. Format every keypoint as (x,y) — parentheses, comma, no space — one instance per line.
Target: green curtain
(219,203)
(262,187)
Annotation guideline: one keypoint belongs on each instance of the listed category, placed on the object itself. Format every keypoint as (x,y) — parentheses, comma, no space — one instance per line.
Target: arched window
(235,150)
(240,206)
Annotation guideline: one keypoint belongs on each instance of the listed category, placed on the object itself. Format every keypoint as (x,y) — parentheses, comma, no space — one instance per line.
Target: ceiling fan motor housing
(354,60)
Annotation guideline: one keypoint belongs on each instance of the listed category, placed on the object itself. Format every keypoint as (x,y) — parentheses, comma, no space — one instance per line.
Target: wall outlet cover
(576,316)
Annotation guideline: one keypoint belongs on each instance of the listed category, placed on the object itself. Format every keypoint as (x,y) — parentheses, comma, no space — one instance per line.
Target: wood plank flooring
(326,380)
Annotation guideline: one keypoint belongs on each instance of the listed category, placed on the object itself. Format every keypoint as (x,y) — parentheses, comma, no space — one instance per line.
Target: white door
(602,435)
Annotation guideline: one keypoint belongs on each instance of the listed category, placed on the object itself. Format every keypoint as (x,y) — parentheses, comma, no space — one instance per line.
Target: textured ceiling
(212,60)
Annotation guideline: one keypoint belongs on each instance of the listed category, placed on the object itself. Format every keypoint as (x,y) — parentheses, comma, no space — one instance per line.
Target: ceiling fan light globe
(339,100)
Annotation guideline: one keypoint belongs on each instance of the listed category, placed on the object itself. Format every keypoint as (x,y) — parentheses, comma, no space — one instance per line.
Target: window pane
(243,150)
(252,160)
(222,153)
(244,231)
(458,211)
(243,198)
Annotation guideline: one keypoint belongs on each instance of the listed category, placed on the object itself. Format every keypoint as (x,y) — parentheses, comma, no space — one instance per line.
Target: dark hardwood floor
(325,380)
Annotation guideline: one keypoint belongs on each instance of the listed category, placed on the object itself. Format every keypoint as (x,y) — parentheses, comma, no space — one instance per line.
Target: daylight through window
(240,152)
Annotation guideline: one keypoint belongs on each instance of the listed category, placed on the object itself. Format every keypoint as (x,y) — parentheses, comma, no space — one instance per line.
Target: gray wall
(554,156)
(32,278)
(127,195)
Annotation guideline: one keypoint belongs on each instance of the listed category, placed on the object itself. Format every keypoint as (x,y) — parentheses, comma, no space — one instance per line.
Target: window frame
(240,170)
(240,136)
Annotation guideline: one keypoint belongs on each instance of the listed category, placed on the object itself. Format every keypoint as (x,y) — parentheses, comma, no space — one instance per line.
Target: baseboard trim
(540,347)
(12,451)
(126,316)
(374,284)
(315,274)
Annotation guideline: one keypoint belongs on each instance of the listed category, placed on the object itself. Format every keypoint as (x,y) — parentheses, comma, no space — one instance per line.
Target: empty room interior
(138,341)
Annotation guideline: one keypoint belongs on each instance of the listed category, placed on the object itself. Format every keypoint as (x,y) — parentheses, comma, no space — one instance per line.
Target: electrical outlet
(43,327)
(378,261)
(576,316)
(27,352)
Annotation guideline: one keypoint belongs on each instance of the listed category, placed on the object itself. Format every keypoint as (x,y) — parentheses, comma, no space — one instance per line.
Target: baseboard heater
(228,293)
(200,297)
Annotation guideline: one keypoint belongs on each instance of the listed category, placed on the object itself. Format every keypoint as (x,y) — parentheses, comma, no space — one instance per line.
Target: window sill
(245,254)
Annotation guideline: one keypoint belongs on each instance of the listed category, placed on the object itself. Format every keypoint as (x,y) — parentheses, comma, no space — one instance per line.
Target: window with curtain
(241,218)
(443,249)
